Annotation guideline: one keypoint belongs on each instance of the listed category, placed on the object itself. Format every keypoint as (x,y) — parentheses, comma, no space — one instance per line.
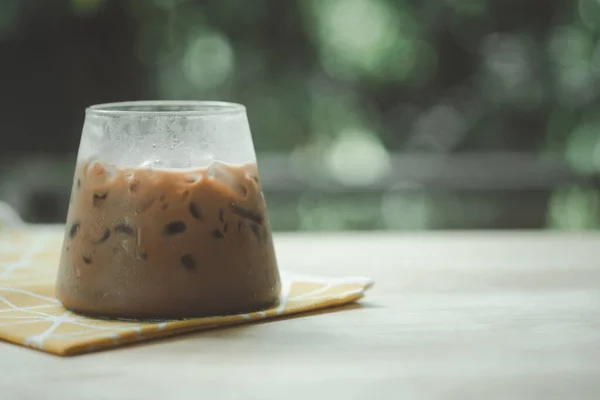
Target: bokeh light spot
(365,37)
(508,74)
(208,60)
(583,147)
(407,207)
(574,208)
(358,158)
(589,13)
(569,45)
(439,129)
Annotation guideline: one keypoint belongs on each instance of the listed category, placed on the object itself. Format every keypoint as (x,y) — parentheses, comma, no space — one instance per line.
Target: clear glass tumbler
(167,217)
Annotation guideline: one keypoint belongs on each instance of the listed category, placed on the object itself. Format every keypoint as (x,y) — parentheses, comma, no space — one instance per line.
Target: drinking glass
(167,218)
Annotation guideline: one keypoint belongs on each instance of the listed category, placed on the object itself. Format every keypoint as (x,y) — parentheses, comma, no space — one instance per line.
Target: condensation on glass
(167,217)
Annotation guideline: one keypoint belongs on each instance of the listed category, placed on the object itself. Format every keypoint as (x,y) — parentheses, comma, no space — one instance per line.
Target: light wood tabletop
(452,316)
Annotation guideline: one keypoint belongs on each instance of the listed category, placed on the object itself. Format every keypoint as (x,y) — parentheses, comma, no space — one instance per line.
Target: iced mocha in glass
(151,243)
(167,242)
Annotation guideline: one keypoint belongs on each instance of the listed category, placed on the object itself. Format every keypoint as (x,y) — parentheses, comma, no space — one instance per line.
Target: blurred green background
(366,114)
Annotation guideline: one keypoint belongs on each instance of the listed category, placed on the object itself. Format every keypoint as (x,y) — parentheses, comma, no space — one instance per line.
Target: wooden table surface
(452,316)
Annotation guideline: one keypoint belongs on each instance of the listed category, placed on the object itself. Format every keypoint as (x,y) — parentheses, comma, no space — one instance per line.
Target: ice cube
(224,175)
(98,173)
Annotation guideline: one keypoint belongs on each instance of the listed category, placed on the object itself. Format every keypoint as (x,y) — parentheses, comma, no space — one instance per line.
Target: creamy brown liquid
(144,243)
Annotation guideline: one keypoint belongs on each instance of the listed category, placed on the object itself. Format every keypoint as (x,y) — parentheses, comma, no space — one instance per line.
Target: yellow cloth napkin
(31,316)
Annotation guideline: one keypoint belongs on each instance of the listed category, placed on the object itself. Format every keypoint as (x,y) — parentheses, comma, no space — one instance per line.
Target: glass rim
(161,108)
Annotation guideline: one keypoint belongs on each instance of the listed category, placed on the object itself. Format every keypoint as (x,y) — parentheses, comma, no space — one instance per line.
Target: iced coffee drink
(162,242)
(154,243)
